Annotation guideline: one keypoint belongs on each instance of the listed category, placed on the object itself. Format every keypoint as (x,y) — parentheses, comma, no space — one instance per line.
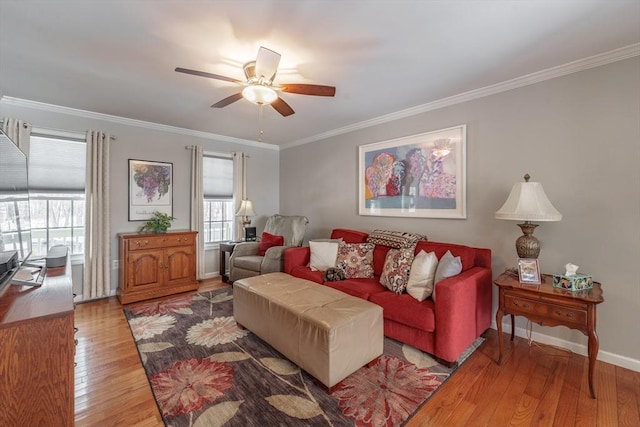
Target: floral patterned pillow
(396,270)
(356,260)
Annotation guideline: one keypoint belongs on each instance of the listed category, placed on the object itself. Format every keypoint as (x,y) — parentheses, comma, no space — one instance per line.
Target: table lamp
(245,211)
(527,202)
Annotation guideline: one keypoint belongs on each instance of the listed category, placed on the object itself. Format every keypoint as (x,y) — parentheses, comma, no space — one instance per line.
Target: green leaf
(229,356)
(418,358)
(154,346)
(295,406)
(280,366)
(218,415)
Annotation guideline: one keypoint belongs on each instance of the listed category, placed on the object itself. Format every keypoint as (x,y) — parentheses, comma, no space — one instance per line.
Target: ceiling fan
(259,87)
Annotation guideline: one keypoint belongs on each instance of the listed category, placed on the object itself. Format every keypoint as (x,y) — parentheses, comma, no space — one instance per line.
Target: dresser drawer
(155,241)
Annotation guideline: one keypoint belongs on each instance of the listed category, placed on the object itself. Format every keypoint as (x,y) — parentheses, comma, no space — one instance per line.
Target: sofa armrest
(463,311)
(295,257)
(245,248)
(273,260)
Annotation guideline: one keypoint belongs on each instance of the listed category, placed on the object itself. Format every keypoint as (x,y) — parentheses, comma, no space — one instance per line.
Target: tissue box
(578,282)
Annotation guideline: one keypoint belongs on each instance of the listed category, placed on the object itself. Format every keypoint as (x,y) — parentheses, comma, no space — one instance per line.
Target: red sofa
(444,328)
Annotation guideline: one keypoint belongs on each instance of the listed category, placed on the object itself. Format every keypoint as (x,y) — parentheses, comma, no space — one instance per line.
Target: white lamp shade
(528,202)
(246,209)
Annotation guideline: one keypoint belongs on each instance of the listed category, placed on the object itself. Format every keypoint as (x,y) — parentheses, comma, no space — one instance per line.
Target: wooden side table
(226,248)
(550,306)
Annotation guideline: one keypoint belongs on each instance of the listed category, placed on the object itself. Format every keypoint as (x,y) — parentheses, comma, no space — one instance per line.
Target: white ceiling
(118,57)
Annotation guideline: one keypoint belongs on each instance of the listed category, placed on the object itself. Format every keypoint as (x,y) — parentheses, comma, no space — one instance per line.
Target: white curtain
(239,187)
(19,131)
(197,207)
(97,249)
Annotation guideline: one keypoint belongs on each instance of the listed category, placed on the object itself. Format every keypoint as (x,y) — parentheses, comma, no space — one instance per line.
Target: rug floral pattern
(206,370)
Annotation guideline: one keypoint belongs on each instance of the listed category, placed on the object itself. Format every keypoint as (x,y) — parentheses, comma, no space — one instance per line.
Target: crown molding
(18,102)
(518,82)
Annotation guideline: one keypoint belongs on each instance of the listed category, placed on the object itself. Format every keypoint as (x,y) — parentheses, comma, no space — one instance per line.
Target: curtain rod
(62,134)
(212,153)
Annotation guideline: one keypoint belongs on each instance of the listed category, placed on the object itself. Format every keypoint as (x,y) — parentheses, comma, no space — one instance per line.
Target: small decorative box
(578,282)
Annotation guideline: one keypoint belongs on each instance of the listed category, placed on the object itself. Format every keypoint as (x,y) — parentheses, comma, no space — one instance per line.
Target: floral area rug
(205,370)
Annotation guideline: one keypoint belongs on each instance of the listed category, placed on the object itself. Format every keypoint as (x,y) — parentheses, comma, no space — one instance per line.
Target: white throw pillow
(448,266)
(423,270)
(323,254)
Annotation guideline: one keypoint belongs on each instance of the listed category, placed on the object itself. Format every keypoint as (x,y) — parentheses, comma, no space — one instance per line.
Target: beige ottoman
(324,331)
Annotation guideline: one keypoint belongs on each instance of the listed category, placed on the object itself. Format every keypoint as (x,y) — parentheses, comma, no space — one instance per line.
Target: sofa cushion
(421,277)
(397,266)
(269,240)
(379,257)
(467,254)
(323,254)
(448,266)
(394,239)
(349,236)
(304,272)
(406,310)
(356,259)
(361,288)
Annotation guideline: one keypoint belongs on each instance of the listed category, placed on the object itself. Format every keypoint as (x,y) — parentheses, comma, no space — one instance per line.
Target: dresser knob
(569,314)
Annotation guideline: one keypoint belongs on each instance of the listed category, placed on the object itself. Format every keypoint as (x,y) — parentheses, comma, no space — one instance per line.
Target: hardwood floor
(537,386)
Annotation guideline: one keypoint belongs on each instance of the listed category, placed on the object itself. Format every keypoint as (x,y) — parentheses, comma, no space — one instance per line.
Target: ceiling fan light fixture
(259,94)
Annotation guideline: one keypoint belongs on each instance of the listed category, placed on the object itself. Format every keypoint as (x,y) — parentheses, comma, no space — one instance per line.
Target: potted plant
(159,223)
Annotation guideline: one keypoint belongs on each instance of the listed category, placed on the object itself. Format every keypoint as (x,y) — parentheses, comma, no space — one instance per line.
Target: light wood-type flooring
(537,386)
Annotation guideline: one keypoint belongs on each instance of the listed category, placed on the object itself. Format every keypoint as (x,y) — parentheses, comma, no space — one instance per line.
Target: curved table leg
(499,315)
(513,327)
(593,346)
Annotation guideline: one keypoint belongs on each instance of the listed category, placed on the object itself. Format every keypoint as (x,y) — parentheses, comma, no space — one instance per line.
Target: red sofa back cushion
(349,236)
(467,254)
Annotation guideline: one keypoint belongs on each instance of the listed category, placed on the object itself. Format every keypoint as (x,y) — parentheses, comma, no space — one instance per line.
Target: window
(218,198)
(56,194)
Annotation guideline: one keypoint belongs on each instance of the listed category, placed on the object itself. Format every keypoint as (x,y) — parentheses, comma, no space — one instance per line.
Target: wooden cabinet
(36,352)
(155,265)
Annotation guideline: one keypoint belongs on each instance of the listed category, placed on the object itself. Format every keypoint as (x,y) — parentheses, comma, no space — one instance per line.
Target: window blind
(217,174)
(57,165)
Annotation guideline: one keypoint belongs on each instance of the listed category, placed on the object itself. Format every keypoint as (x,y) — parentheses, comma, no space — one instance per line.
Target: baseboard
(211,275)
(604,356)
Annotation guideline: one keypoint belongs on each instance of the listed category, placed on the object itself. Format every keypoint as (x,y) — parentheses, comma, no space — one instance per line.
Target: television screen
(15,221)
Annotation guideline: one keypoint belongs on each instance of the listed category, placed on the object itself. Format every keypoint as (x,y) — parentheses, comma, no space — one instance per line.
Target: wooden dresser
(36,352)
(155,265)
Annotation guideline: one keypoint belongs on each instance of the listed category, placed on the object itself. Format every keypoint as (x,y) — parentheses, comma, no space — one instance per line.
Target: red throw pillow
(269,240)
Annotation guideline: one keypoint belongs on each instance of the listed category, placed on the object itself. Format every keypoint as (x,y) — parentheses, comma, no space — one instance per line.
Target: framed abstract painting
(421,176)
(150,189)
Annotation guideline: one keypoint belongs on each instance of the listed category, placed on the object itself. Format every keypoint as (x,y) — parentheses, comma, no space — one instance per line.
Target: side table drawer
(568,315)
(513,303)
(545,310)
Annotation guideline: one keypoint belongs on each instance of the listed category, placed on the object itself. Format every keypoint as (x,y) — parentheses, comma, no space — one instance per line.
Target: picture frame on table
(529,271)
(417,176)
(150,189)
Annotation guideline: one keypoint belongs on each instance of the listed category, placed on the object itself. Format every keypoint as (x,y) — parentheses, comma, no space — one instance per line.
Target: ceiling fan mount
(259,87)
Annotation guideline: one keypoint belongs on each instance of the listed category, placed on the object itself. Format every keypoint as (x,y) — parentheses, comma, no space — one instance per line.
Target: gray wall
(579,135)
(148,143)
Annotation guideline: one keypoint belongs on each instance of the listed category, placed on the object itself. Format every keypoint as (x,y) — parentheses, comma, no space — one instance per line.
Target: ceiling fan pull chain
(260,116)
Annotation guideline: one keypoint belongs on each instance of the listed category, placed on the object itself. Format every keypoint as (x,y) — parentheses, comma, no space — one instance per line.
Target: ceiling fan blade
(267,64)
(305,89)
(228,100)
(208,75)
(282,107)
